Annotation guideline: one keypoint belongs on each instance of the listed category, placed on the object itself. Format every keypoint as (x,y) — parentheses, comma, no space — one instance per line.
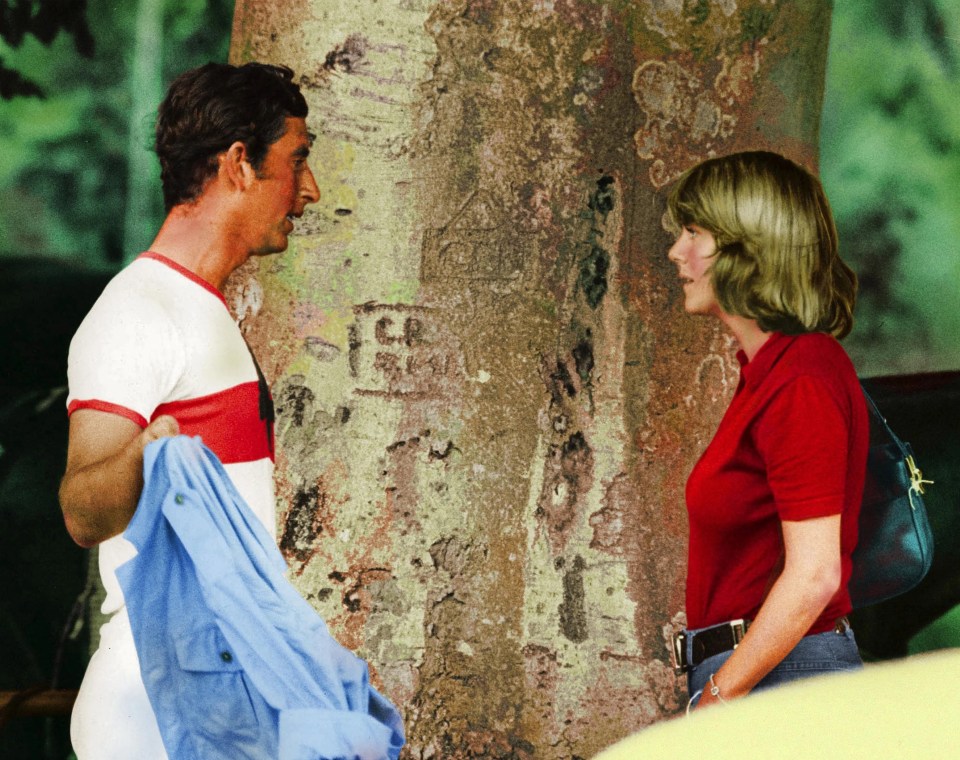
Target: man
(159,353)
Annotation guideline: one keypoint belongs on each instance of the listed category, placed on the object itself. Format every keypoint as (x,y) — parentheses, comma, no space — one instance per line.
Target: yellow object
(900,710)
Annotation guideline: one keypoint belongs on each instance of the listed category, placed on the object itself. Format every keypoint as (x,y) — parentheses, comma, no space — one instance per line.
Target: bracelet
(715,690)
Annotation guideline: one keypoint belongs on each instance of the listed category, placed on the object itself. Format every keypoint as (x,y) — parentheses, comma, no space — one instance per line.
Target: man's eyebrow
(302,152)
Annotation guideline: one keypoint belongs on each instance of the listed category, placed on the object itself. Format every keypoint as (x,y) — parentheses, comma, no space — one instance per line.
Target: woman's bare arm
(810,579)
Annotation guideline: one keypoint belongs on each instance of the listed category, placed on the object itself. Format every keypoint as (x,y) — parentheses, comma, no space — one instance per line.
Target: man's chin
(272,250)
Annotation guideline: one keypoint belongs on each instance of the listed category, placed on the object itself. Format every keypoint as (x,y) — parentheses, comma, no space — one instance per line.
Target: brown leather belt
(717,639)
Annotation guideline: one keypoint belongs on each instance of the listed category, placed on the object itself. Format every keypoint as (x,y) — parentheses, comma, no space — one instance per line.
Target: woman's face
(693,254)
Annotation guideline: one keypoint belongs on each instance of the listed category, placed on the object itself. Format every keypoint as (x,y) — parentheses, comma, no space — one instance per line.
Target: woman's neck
(747,332)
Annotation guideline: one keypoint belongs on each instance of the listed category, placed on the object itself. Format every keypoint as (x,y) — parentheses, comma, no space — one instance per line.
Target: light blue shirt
(235,662)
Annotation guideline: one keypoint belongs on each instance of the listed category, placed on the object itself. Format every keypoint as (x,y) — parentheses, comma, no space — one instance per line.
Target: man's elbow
(81,538)
(78,528)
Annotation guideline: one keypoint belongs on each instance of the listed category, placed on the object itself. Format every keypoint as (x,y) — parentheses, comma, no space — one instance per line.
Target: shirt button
(179,498)
(226,657)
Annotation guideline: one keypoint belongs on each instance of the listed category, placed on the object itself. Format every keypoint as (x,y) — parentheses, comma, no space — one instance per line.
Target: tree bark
(489,397)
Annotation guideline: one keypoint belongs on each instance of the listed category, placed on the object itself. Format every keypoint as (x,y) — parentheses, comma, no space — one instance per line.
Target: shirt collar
(753,372)
(193,277)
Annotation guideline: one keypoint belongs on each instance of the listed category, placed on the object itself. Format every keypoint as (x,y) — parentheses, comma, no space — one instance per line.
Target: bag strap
(875,411)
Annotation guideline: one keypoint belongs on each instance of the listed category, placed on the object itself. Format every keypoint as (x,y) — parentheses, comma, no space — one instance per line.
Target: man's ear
(235,166)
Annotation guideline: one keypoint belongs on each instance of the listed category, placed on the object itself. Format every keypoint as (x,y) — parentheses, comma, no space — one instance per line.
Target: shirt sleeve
(803,437)
(125,358)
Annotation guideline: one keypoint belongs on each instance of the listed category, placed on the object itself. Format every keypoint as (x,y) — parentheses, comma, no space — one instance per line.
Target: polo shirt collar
(753,372)
(192,276)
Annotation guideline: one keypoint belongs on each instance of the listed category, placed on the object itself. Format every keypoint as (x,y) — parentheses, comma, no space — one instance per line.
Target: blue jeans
(814,655)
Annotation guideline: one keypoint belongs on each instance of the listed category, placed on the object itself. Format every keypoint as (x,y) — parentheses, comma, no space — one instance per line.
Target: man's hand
(104,476)
(165,426)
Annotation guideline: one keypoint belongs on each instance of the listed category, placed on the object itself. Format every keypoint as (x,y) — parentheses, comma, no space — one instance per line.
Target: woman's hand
(707,698)
(810,579)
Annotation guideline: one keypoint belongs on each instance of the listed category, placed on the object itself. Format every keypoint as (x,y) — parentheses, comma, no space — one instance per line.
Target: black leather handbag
(895,545)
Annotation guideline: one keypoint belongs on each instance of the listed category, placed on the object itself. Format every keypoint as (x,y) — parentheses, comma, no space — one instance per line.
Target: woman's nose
(674,253)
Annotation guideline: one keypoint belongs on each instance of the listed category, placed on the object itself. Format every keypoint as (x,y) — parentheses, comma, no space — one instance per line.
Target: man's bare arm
(104,476)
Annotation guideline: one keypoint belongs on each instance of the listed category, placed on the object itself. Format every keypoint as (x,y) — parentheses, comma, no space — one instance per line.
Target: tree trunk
(489,397)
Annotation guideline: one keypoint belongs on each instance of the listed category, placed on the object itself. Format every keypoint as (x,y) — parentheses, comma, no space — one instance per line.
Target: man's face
(283,188)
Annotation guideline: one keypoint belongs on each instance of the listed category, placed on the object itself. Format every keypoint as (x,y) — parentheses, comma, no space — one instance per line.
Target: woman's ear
(235,166)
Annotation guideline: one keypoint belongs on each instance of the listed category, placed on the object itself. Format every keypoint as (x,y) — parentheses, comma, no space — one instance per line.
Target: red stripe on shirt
(184,271)
(106,406)
(229,423)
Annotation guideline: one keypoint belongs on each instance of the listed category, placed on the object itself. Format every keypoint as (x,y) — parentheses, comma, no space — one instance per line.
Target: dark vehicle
(42,572)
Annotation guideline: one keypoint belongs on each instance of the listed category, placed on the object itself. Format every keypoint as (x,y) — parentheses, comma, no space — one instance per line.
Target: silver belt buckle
(739,630)
(679,653)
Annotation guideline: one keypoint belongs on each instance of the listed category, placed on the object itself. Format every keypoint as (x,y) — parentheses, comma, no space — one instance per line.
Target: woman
(774,500)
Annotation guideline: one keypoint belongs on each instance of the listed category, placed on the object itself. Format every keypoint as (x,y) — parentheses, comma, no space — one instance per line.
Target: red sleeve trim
(106,406)
(185,272)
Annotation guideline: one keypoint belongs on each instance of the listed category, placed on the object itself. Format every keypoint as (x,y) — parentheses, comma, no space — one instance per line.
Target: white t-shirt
(160,340)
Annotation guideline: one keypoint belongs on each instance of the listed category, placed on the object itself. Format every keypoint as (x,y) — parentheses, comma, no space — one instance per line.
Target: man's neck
(197,238)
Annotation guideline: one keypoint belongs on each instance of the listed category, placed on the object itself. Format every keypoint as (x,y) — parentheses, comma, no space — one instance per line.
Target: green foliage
(890,159)
(63,159)
(44,20)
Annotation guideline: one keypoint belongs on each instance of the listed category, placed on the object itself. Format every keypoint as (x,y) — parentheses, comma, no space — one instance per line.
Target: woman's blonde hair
(776,258)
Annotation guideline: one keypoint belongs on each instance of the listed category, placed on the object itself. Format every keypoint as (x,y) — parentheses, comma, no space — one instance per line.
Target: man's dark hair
(209,108)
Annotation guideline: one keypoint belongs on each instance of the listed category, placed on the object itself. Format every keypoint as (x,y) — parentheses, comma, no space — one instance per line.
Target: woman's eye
(691,231)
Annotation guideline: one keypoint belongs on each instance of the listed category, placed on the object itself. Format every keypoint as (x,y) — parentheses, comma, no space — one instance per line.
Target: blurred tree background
(890,162)
(71,158)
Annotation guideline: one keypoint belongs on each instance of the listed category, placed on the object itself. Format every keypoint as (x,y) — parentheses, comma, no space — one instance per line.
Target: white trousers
(112,718)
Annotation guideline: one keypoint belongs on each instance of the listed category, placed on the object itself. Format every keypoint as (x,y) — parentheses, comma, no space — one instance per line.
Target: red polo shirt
(791,446)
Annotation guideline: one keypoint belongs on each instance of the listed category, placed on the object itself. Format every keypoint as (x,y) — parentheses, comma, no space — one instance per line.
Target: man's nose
(308,187)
